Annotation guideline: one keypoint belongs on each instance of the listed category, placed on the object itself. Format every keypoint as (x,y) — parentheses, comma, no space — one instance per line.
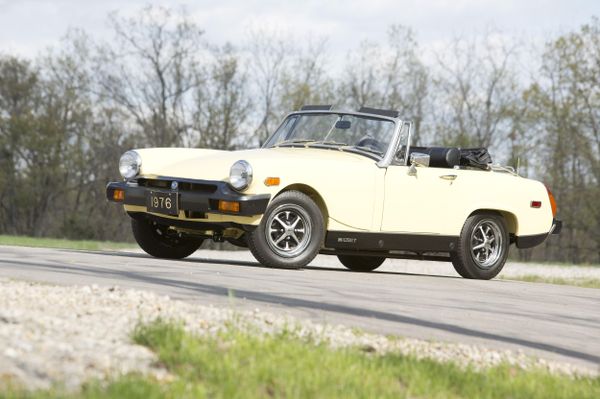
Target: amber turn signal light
(552,202)
(272,181)
(229,206)
(119,195)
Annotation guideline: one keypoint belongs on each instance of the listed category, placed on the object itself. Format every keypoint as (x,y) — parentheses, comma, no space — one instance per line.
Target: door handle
(448,177)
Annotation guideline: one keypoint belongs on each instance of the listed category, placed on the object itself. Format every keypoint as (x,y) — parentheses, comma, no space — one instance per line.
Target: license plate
(162,202)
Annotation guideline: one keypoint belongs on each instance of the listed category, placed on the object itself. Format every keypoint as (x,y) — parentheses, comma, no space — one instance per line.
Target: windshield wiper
(294,141)
(324,142)
(367,149)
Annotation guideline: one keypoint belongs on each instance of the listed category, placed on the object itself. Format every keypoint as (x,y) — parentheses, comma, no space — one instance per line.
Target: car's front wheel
(290,233)
(359,263)
(158,241)
(482,247)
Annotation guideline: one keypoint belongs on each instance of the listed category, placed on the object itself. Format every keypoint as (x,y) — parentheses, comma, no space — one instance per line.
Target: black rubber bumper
(556,226)
(194,201)
(531,241)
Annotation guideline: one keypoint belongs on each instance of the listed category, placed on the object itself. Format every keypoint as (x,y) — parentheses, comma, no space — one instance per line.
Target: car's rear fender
(512,222)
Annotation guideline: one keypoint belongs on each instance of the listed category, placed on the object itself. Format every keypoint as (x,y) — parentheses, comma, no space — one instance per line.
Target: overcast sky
(29,26)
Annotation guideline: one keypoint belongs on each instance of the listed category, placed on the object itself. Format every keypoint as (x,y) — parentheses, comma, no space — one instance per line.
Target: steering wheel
(370,142)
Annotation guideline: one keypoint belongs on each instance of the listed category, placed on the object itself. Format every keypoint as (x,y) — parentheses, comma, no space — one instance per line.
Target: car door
(425,202)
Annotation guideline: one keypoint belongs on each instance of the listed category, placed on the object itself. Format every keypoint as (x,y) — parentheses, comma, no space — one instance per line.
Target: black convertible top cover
(449,157)
(475,157)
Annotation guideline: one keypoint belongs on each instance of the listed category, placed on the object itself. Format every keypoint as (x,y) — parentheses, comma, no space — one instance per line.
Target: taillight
(552,202)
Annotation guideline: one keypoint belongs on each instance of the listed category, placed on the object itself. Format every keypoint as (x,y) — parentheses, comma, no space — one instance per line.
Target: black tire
(359,263)
(301,211)
(488,231)
(155,240)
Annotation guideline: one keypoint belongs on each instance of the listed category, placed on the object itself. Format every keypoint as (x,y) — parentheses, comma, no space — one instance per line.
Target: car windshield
(371,135)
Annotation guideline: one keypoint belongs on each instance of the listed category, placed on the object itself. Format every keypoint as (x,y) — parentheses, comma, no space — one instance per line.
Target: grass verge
(577,282)
(23,241)
(240,365)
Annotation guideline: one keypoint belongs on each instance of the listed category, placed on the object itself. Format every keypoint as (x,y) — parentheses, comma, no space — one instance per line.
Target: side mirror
(417,159)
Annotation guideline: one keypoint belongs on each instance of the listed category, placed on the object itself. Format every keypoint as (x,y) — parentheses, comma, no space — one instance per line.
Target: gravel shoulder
(68,334)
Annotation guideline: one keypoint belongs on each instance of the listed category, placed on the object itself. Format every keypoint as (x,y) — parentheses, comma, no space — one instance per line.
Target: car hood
(215,164)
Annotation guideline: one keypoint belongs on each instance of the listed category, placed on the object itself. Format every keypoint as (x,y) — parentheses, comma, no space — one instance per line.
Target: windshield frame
(388,154)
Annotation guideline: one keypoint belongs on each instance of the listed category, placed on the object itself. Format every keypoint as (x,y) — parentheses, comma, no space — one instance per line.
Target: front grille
(203,188)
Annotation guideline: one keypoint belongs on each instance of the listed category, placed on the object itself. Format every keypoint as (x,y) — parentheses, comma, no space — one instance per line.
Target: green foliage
(564,105)
(236,364)
(67,116)
(577,282)
(23,241)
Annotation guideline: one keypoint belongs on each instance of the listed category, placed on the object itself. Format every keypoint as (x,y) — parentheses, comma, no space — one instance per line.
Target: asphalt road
(551,321)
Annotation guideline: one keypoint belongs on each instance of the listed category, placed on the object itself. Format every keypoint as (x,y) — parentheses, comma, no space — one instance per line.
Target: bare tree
(477,91)
(306,80)
(222,103)
(150,71)
(391,76)
(269,54)
(566,101)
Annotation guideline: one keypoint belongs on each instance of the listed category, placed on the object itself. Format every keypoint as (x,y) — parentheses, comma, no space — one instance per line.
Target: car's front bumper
(195,197)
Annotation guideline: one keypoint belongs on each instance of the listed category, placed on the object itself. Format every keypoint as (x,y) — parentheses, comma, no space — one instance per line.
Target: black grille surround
(183,186)
(196,197)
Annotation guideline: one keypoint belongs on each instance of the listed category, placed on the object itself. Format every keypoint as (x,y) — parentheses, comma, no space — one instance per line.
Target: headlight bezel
(134,164)
(243,180)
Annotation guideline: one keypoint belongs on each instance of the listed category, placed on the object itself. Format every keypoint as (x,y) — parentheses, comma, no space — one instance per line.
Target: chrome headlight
(129,164)
(240,175)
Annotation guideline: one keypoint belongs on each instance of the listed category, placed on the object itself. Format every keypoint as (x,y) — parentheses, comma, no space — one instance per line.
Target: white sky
(29,26)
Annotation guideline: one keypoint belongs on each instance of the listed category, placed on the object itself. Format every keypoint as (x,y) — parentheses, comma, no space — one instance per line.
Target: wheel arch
(512,222)
(313,194)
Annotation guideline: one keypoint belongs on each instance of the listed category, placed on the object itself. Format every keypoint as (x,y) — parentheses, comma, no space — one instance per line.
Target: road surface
(550,321)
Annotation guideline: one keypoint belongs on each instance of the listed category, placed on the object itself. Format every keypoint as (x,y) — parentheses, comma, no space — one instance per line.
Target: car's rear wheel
(359,263)
(290,233)
(158,241)
(482,247)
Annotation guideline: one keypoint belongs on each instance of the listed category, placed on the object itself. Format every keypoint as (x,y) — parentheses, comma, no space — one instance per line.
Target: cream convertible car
(341,183)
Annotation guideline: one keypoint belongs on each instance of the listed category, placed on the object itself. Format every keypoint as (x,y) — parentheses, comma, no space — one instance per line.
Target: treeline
(67,115)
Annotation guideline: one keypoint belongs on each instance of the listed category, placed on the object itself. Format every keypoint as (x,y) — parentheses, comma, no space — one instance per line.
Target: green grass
(239,365)
(578,282)
(24,241)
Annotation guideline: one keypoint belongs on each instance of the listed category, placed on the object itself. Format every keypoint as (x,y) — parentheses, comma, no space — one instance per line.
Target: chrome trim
(288,230)
(448,177)
(419,159)
(408,142)
(249,175)
(138,161)
(355,113)
(393,147)
(486,243)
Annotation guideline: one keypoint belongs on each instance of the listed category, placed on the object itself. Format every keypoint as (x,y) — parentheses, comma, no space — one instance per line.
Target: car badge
(174,185)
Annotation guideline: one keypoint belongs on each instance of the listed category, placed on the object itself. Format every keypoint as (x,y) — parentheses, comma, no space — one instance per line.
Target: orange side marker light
(552,202)
(272,181)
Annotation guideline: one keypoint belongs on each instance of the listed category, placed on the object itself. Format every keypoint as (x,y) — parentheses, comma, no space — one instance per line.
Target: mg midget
(336,182)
